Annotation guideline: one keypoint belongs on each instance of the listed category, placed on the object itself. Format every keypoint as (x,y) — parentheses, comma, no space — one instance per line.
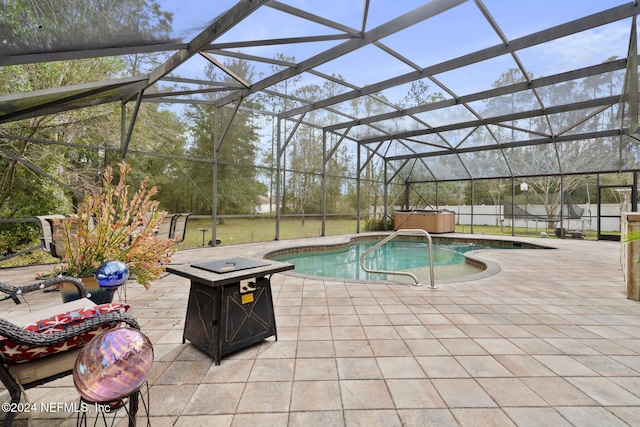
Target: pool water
(395,255)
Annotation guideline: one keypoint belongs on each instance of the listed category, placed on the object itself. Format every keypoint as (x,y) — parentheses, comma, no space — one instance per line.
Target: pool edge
(490,268)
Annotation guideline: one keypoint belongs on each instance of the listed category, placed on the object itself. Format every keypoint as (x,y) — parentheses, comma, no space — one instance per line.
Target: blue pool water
(395,255)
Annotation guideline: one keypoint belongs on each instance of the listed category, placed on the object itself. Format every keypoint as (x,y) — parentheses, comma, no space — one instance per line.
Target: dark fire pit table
(230,303)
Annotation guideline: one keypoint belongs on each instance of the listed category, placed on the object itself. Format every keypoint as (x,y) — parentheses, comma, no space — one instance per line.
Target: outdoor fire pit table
(230,303)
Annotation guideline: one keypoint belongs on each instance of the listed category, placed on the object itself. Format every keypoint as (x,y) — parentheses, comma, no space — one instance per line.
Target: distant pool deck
(550,339)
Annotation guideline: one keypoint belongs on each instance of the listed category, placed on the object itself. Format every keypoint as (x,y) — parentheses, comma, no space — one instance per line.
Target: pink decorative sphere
(113,365)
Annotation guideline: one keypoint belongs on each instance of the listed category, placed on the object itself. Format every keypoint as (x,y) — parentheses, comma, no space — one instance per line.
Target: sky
(454,33)
(451,34)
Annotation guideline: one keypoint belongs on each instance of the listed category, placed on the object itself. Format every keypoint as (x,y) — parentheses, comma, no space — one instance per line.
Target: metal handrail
(403,232)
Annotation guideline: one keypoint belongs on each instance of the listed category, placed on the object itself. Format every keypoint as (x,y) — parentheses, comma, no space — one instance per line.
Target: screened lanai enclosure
(519,116)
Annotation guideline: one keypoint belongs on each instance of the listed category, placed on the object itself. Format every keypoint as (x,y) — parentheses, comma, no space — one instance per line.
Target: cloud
(587,48)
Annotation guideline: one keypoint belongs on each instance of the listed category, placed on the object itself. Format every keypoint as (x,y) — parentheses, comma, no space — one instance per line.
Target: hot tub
(431,221)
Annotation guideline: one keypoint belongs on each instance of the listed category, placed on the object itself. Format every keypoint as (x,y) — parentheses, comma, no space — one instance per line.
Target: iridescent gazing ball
(112,274)
(113,365)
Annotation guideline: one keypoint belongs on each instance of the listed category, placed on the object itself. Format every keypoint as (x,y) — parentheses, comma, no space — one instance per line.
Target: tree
(160,131)
(305,161)
(341,161)
(70,24)
(75,167)
(304,189)
(491,192)
(238,185)
(367,106)
(419,94)
(101,23)
(552,168)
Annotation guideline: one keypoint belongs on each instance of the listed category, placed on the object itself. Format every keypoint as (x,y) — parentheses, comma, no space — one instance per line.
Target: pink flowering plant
(115,224)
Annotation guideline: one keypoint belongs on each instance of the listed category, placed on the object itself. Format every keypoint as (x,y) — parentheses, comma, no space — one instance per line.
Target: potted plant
(114,224)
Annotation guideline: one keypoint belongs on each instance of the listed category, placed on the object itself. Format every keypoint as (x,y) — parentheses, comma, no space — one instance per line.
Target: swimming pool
(401,254)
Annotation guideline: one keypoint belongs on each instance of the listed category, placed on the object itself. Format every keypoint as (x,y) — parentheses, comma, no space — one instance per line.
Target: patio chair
(40,346)
(179,226)
(165,227)
(46,234)
(49,241)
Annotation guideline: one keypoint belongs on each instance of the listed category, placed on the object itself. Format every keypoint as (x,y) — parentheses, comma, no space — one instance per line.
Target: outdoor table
(230,303)
(204,232)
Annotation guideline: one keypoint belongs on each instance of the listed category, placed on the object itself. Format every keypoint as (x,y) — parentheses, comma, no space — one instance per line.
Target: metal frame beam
(496,120)
(67,98)
(532,142)
(220,26)
(619,64)
(423,12)
(563,30)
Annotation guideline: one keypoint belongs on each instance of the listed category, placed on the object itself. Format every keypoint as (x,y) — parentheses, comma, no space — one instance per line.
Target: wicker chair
(18,377)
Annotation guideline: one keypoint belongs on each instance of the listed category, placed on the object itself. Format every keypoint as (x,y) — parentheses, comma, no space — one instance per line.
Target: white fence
(493,215)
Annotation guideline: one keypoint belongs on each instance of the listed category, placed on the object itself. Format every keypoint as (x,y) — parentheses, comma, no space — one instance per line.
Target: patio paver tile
(353,348)
(185,372)
(590,416)
(462,346)
(315,396)
(400,367)
(360,418)
(604,391)
(469,353)
(606,366)
(537,417)
(265,396)
(348,333)
(358,368)
(463,393)
(557,391)
(365,394)
(510,392)
(316,369)
(205,399)
(315,418)
(497,346)
(565,365)
(261,419)
(629,414)
(272,370)
(427,417)
(522,365)
(483,366)
(395,348)
(414,393)
(408,332)
(442,367)
(481,417)
(313,348)
(229,371)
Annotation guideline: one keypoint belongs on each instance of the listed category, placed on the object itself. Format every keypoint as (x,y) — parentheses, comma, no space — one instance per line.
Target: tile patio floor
(550,340)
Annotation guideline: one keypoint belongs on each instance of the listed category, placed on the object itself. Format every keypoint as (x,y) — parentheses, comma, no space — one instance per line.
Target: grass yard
(247,230)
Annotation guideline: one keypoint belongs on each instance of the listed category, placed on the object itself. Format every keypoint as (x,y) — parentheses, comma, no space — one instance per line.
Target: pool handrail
(403,232)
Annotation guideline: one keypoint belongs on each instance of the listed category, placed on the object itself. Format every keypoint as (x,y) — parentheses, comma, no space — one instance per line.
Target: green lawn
(247,230)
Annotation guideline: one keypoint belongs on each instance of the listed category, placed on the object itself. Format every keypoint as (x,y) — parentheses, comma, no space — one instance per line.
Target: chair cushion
(24,315)
(13,352)
(45,367)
